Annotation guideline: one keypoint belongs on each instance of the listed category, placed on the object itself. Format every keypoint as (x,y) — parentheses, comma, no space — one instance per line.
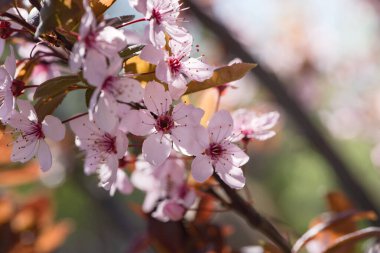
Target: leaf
(330,224)
(221,76)
(54,87)
(353,238)
(119,20)
(5,5)
(66,14)
(46,106)
(130,52)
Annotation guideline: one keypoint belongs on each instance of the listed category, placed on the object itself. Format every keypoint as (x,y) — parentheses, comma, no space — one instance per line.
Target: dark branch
(295,110)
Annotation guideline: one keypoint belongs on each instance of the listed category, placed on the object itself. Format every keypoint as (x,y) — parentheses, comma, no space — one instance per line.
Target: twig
(295,110)
(253,217)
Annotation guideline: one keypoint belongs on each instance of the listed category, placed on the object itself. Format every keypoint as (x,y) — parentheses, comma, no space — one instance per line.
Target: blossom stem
(74,117)
(19,21)
(30,87)
(253,217)
(132,22)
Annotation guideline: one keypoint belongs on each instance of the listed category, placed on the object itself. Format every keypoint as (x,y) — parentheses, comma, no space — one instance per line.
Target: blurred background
(327,56)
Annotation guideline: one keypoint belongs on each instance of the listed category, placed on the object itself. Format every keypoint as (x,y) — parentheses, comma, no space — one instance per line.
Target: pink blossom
(112,180)
(249,125)
(96,44)
(111,90)
(166,190)
(165,124)
(163,16)
(31,141)
(178,68)
(101,147)
(218,153)
(8,87)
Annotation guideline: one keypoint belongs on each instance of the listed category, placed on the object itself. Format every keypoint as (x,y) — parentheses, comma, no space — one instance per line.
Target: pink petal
(163,72)
(10,63)
(156,149)
(139,5)
(105,115)
(150,201)
(76,57)
(152,54)
(262,135)
(91,162)
(187,114)
(137,122)
(44,156)
(239,157)
(121,144)
(132,90)
(197,70)
(220,126)
(23,150)
(201,168)
(123,184)
(173,210)
(234,178)
(53,128)
(27,109)
(88,21)
(179,34)
(95,68)
(156,99)
(175,92)
(156,34)
(110,41)
(266,121)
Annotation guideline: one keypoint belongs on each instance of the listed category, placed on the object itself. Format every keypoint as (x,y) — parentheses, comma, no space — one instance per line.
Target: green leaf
(119,20)
(5,5)
(66,14)
(88,95)
(46,106)
(57,86)
(221,76)
(130,51)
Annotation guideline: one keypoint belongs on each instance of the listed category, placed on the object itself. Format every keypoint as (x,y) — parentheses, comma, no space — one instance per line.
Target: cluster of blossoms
(123,114)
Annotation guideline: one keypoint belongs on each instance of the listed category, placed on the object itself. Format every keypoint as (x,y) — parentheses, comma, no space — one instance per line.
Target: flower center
(164,123)
(174,65)
(5,29)
(157,16)
(214,151)
(17,87)
(90,39)
(35,130)
(107,143)
(108,84)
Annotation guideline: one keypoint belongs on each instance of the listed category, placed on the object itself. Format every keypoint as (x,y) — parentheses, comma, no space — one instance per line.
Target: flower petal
(44,156)
(234,178)
(156,99)
(156,149)
(53,128)
(201,168)
(220,126)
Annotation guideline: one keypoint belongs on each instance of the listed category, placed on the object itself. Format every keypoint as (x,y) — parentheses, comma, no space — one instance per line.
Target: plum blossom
(163,16)
(9,87)
(7,27)
(178,68)
(218,153)
(101,147)
(249,125)
(165,124)
(96,44)
(167,194)
(31,141)
(110,90)
(112,180)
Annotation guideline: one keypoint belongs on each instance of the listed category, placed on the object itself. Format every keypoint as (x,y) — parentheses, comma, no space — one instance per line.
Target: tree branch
(295,110)
(253,217)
